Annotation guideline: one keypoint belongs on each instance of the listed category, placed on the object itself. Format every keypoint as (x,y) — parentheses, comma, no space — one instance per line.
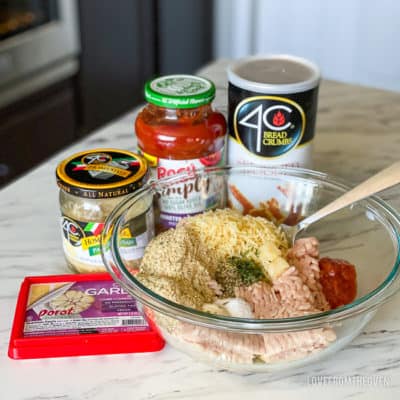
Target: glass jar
(177,131)
(92,183)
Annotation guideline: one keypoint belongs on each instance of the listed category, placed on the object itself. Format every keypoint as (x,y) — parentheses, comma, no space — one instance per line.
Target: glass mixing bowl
(366,234)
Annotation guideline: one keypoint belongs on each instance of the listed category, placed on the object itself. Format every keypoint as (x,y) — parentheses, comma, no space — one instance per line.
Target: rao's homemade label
(74,308)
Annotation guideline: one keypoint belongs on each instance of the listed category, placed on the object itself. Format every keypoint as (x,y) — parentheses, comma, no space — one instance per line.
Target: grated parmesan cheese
(227,232)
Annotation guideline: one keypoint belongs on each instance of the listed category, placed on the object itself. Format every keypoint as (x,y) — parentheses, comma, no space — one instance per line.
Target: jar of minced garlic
(179,131)
(92,183)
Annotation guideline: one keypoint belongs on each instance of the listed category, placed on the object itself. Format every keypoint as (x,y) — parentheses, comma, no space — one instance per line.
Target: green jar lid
(179,91)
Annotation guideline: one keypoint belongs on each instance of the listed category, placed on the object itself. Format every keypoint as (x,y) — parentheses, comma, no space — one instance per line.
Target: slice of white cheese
(277,267)
(268,252)
(272,261)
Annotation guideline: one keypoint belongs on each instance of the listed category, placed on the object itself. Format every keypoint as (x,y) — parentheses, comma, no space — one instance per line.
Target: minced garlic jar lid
(101,173)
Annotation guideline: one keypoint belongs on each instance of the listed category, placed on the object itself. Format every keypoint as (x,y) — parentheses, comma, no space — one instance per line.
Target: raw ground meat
(295,345)
(295,293)
(228,346)
(304,256)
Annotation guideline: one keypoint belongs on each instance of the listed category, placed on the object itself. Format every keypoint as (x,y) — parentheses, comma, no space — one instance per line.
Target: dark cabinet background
(118,41)
(35,128)
(123,43)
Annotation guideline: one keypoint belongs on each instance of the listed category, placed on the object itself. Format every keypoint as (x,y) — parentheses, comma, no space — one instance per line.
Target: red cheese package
(75,315)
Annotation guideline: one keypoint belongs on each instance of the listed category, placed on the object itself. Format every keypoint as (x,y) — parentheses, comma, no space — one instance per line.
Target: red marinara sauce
(179,131)
(178,123)
(339,281)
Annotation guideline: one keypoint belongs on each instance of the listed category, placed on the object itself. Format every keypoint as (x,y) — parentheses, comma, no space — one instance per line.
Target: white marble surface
(357,134)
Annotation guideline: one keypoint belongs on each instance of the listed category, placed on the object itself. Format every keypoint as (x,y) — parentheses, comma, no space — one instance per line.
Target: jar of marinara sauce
(179,131)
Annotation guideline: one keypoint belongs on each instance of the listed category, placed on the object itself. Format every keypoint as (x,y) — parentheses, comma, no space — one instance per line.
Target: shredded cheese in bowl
(227,232)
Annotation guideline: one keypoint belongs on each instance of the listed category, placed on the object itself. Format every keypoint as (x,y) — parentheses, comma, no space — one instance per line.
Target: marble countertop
(357,134)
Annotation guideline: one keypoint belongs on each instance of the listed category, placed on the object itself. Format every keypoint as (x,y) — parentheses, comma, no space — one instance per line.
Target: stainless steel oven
(39,45)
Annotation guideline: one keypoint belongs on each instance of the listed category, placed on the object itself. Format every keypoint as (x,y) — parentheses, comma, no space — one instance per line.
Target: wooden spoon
(384,179)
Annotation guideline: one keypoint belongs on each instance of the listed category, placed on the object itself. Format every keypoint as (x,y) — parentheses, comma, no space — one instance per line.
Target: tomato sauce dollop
(339,281)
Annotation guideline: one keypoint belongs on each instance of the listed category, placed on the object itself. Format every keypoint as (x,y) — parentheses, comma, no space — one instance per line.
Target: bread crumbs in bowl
(224,285)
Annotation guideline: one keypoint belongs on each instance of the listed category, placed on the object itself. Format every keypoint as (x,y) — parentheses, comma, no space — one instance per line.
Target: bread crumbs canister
(92,183)
(272,111)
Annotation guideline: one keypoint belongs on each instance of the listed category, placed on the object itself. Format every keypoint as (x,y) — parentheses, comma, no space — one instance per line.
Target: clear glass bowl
(366,234)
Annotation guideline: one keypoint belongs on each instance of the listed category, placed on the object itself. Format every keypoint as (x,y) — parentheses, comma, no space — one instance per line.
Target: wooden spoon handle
(384,179)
